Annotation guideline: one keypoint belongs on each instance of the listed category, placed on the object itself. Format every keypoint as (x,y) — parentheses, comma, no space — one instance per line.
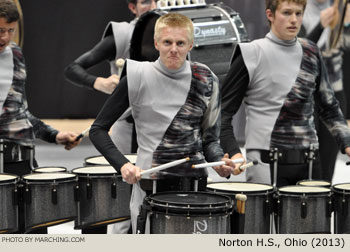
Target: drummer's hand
(130,173)
(68,139)
(347,151)
(327,16)
(106,85)
(347,15)
(227,169)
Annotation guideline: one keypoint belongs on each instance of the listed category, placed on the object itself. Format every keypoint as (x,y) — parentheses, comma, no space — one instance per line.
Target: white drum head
(48,176)
(304,189)
(95,170)
(343,187)
(314,183)
(239,187)
(50,169)
(100,160)
(6,177)
(132,158)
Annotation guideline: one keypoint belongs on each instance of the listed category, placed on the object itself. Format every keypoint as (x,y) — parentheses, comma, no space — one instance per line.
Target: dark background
(58,31)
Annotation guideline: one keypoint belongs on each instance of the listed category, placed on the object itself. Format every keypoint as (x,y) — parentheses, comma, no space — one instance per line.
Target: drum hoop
(251,193)
(196,204)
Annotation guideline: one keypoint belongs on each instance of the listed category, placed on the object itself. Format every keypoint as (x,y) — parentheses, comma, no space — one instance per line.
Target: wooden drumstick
(82,134)
(119,63)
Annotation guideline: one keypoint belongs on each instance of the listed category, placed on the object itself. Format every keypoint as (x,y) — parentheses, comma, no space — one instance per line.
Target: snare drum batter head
(101,160)
(300,190)
(95,170)
(50,169)
(239,187)
(43,177)
(319,183)
(7,178)
(342,187)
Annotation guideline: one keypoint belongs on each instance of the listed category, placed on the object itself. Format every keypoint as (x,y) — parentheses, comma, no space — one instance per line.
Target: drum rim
(10,180)
(326,191)
(72,177)
(254,192)
(197,204)
(95,175)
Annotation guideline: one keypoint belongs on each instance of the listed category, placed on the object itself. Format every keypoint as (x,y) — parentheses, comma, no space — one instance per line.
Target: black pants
(290,174)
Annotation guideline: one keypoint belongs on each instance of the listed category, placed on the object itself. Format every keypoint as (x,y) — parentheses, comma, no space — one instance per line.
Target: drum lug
(28,195)
(114,190)
(303,209)
(76,193)
(15,196)
(344,206)
(89,189)
(54,195)
(329,207)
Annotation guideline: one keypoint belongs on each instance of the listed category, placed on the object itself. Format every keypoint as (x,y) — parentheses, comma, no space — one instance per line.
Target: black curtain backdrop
(58,31)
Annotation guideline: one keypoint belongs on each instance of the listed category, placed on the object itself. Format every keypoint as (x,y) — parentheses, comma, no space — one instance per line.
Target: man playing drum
(114,45)
(176,107)
(18,127)
(281,79)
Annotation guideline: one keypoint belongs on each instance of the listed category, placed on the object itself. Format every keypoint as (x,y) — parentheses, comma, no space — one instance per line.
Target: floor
(56,155)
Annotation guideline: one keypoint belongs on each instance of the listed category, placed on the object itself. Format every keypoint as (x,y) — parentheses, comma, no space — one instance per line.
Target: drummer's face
(7,32)
(173,45)
(142,6)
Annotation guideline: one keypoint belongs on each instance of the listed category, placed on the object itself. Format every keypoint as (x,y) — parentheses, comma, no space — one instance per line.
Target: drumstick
(241,199)
(204,165)
(165,166)
(82,134)
(250,164)
(119,63)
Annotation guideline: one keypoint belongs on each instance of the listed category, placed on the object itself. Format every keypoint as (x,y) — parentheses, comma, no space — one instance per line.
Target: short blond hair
(174,20)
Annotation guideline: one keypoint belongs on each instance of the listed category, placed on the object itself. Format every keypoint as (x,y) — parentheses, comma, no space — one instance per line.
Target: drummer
(176,107)
(18,127)
(281,79)
(114,45)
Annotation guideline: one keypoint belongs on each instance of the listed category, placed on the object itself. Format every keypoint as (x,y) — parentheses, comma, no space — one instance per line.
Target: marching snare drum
(101,160)
(311,182)
(104,197)
(49,169)
(341,201)
(258,206)
(303,210)
(8,203)
(49,199)
(189,213)
(217,30)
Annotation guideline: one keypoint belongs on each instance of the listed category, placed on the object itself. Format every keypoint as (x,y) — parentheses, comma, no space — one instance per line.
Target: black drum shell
(39,208)
(102,208)
(289,213)
(192,216)
(258,206)
(341,201)
(8,205)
